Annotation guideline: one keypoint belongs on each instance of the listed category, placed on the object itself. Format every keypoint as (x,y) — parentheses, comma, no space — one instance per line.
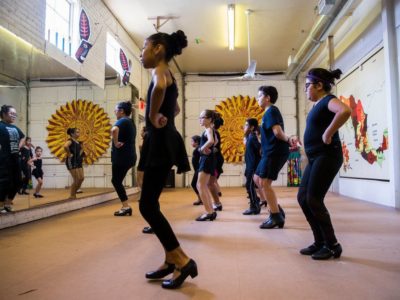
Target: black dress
(164,146)
(76,160)
(207,161)
(38,171)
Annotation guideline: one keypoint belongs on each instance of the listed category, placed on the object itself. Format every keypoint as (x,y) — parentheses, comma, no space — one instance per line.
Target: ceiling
(277,29)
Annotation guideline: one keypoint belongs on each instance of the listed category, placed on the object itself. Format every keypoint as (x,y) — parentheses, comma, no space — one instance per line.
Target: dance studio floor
(90,254)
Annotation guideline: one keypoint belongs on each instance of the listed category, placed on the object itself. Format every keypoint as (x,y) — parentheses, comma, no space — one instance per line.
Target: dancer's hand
(118,144)
(326,139)
(160,121)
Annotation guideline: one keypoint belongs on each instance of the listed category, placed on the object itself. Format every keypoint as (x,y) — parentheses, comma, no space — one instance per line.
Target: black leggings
(10,179)
(153,183)
(251,190)
(118,175)
(194,182)
(26,170)
(317,178)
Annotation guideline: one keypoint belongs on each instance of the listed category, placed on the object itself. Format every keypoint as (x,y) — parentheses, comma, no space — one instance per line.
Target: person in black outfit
(26,164)
(252,157)
(11,140)
(74,160)
(163,147)
(37,172)
(195,142)
(275,151)
(324,152)
(219,162)
(123,155)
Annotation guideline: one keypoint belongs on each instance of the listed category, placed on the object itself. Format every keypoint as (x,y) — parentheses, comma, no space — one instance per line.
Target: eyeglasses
(308,84)
(13,114)
(203,118)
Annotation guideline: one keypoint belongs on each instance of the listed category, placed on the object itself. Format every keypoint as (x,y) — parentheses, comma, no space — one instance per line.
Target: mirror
(38,86)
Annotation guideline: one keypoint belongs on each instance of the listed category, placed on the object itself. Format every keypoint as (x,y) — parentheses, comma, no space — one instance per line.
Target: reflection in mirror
(41,89)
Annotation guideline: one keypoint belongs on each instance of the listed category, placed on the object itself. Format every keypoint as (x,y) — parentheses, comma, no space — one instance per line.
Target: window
(112,54)
(60,24)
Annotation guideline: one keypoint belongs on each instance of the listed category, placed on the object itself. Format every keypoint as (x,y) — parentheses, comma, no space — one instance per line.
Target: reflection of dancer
(11,139)
(213,185)
(37,171)
(163,148)
(123,155)
(195,142)
(26,165)
(74,160)
(324,152)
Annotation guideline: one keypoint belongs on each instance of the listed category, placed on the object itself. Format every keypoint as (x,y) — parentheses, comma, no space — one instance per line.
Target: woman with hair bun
(123,155)
(163,148)
(11,140)
(74,160)
(324,152)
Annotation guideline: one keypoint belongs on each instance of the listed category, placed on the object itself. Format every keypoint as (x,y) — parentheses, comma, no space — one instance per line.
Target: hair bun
(179,41)
(336,73)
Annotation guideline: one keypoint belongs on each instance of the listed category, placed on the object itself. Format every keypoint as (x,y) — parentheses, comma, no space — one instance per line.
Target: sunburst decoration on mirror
(235,111)
(93,123)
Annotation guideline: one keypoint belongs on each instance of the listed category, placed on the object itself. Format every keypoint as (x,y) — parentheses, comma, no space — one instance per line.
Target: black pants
(251,190)
(118,175)
(317,178)
(153,183)
(194,182)
(10,179)
(27,172)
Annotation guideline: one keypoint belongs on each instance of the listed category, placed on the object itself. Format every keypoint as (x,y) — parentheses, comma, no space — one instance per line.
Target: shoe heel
(194,273)
(281,225)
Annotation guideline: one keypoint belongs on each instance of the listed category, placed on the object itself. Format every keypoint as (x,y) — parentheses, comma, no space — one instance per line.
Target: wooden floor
(90,254)
(52,195)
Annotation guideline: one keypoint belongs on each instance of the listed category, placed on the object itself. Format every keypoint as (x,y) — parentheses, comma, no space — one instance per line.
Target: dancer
(163,148)
(74,160)
(37,172)
(26,165)
(324,152)
(195,142)
(252,158)
(207,164)
(219,162)
(123,155)
(11,140)
(275,151)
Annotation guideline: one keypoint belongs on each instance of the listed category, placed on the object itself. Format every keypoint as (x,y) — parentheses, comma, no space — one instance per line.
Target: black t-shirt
(10,136)
(26,155)
(252,155)
(319,118)
(127,133)
(270,145)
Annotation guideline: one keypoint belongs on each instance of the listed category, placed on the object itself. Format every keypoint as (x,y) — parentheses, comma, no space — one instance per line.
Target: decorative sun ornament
(90,119)
(235,111)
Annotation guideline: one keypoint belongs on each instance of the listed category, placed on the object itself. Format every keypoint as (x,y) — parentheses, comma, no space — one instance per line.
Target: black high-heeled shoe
(327,252)
(251,211)
(37,195)
(282,211)
(274,220)
(161,273)
(198,202)
(148,230)
(310,250)
(218,206)
(263,203)
(123,212)
(189,269)
(207,217)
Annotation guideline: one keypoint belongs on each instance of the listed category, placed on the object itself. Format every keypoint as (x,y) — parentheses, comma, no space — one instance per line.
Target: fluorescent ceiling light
(231,26)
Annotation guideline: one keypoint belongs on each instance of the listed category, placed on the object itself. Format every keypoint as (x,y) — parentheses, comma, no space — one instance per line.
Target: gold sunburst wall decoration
(235,111)
(90,119)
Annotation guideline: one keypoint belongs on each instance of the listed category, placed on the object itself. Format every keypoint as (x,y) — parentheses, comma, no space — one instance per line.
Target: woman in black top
(74,160)
(219,162)
(324,152)
(195,142)
(11,140)
(163,147)
(37,172)
(123,155)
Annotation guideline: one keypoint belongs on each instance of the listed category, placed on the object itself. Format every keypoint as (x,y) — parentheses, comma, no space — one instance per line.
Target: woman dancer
(123,155)
(219,162)
(163,148)
(207,164)
(11,140)
(74,160)
(324,152)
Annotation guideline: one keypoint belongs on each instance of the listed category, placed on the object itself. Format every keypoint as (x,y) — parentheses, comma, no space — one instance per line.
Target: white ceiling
(277,29)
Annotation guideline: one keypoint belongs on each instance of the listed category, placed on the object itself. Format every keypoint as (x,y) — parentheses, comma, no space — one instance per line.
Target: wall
(203,93)
(16,96)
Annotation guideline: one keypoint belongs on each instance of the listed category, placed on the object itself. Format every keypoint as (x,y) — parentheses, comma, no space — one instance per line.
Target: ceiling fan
(251,69)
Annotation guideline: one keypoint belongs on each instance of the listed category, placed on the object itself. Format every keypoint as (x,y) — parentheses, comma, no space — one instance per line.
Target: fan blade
(251,70)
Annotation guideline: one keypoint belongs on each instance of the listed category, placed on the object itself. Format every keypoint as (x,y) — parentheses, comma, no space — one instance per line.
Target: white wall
(205,94)
(16,97)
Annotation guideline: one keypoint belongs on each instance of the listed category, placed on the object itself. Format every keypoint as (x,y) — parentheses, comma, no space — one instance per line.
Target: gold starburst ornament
(93,123)
(235,111)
